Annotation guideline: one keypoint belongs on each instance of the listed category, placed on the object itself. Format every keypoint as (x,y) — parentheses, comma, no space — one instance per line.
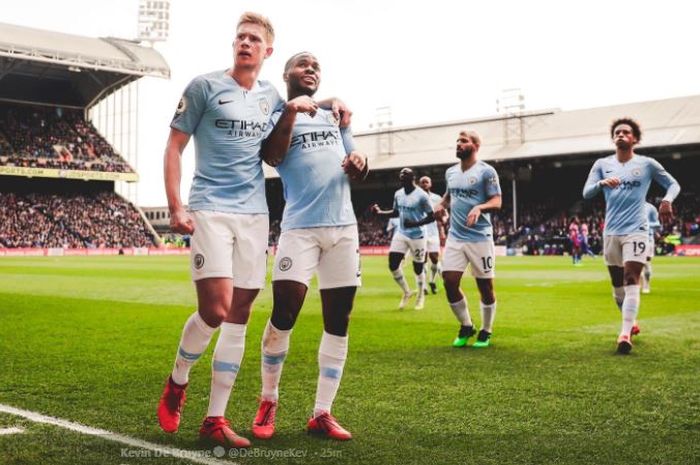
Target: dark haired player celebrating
(314,157)
(624,179)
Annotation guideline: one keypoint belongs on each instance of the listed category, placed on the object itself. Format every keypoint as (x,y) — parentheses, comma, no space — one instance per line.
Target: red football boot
(264,423)
(170,406)
(328,426)
(217,430)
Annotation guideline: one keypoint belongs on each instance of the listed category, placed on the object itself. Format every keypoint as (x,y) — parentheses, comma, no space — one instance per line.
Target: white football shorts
(402,244)
(332,252)
(230,245)
(628,248)
(479,256)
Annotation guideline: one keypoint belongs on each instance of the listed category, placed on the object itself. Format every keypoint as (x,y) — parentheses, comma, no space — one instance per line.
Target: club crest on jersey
(285,263)
(264,106)
(181,106)
(471,181)
(198,261)
(636,172)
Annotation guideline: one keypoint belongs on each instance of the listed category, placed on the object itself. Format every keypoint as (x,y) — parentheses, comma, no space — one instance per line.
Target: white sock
(619,296)
(225,365)
(488,313)
(274,347)
(400,280)
(630,308)
(331,360)
(420,281)
(461,311)
(434,269)
(195,338)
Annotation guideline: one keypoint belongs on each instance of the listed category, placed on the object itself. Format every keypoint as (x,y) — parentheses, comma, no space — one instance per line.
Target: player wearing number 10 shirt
(472,191)
(624,179)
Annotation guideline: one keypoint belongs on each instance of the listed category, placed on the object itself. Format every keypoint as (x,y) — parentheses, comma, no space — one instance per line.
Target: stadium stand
(57,172)
(101,220)
(42,137)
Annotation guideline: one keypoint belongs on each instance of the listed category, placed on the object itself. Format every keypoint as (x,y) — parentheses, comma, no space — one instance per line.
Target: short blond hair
(475,138)
(256,18)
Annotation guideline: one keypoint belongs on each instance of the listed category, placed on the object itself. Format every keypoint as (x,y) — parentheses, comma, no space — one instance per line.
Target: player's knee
(418,267)
(338,325)
(394,265)
(488,297)
(451,285)
(283,320)
(214,315)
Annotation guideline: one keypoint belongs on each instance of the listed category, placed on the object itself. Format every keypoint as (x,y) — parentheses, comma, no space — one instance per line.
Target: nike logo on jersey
(224,102)
(608,171)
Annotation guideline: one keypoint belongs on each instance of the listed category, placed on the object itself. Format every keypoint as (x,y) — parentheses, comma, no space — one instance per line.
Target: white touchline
(110,436)
(11,430)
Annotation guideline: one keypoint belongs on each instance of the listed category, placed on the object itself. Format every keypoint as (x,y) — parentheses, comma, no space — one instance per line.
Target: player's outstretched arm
(276,145)
(180,220)
(376,209)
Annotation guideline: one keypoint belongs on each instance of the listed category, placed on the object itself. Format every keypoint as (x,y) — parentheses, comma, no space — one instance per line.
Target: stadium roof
(38,66)
(664,123)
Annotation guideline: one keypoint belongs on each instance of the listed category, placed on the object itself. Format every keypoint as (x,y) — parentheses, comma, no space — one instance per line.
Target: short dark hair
(631,123)
(292,60)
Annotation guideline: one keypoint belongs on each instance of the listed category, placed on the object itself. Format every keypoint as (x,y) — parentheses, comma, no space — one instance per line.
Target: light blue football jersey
(652,219)
(228,123)
(316,189)
(468,189)
(413,207)
(431,229)
(625,212)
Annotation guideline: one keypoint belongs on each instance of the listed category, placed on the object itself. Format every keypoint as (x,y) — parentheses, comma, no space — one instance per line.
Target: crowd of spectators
(101,220)
(40,137)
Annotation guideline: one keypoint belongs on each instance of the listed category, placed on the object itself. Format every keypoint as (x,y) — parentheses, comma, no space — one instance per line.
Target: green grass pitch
(91,340)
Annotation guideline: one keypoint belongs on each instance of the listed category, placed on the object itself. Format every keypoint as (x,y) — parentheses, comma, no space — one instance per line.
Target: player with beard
(314,158)
(472,191)
(412,205)
(624,178)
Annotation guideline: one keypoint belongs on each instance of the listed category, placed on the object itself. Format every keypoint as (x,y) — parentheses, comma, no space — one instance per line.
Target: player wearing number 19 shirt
(624,179)
(472,190)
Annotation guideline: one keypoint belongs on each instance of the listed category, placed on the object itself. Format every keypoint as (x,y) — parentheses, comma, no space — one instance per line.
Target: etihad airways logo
(316,139)
(242,128)
(463,193)
(627,185)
